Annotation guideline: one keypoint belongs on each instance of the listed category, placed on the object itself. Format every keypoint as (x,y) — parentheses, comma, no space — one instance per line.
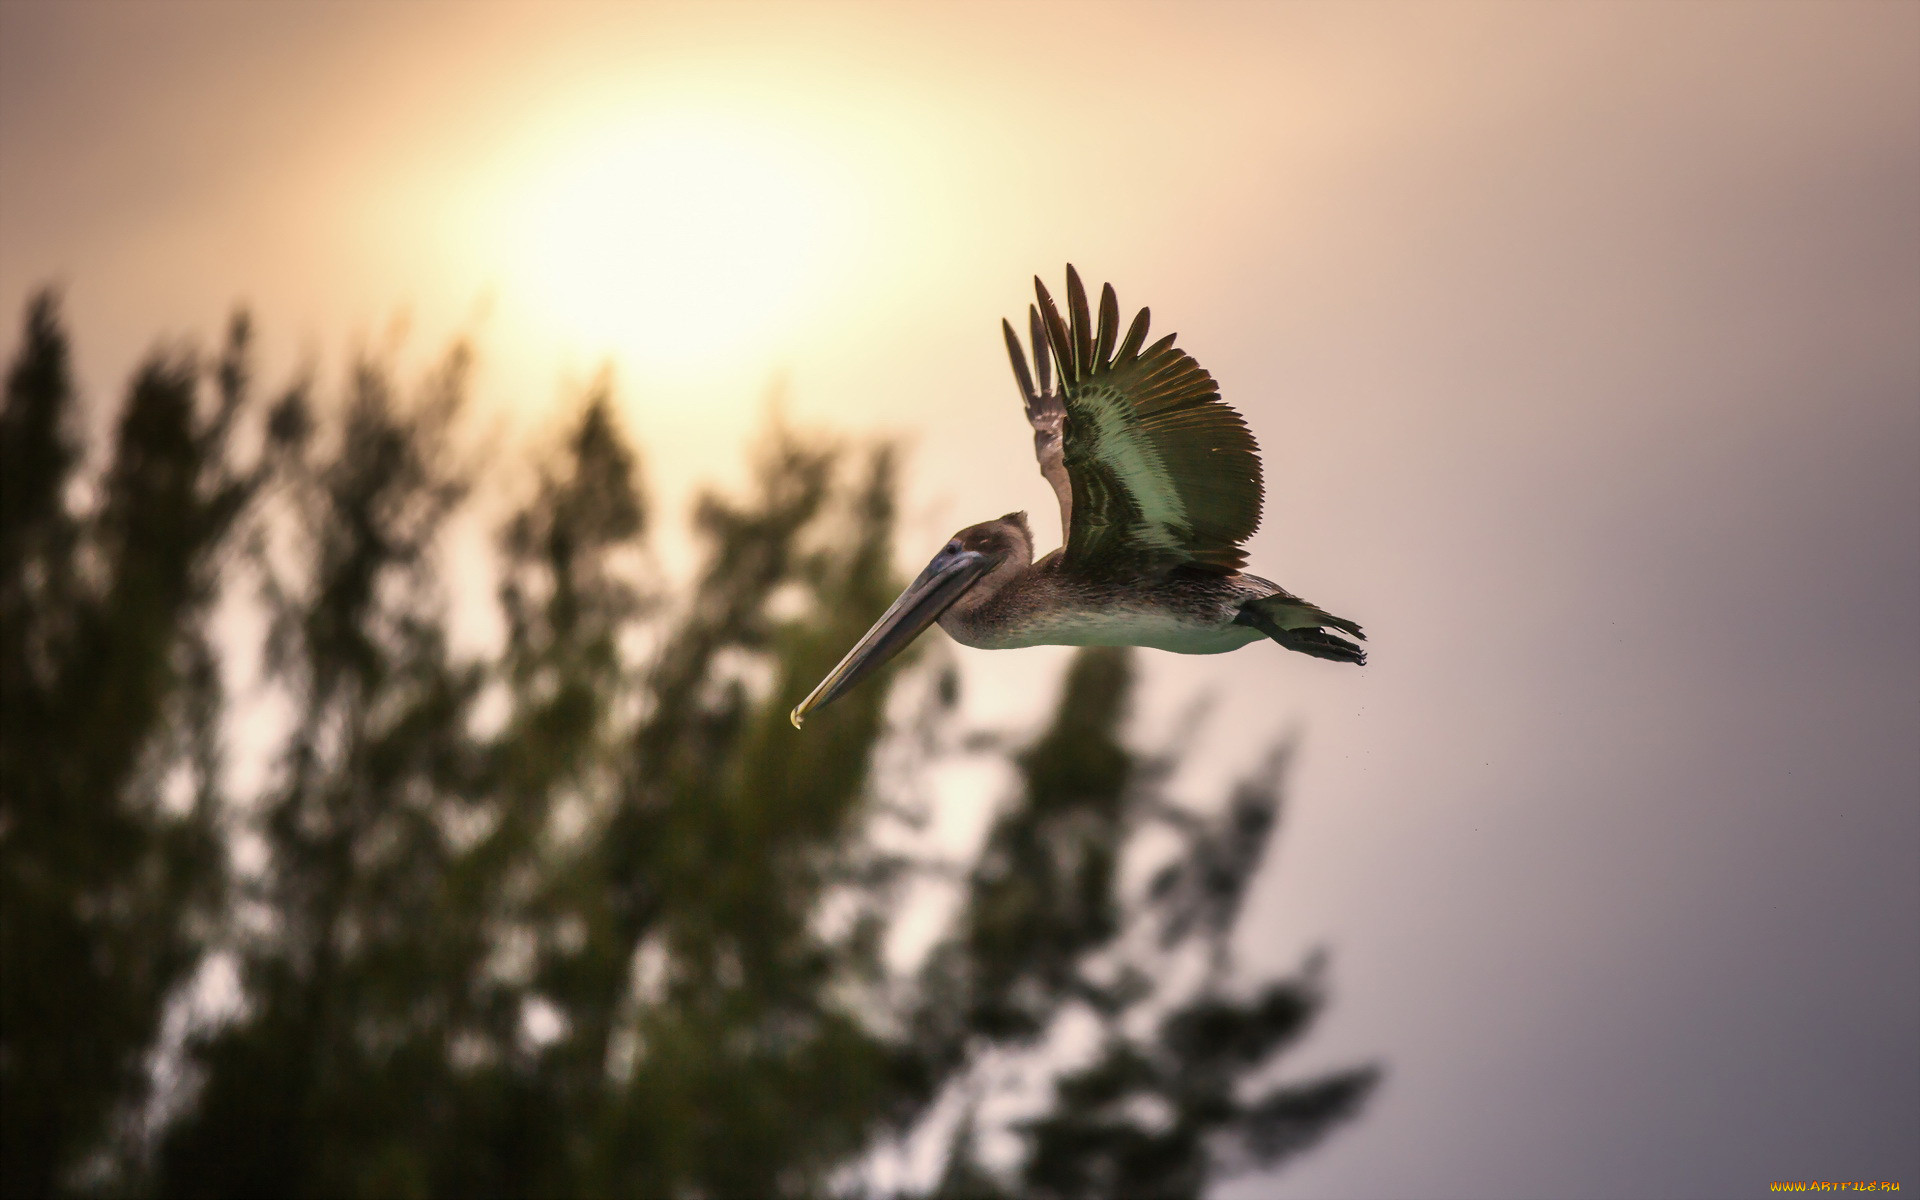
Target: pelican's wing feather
(1046,412)
(1153,472)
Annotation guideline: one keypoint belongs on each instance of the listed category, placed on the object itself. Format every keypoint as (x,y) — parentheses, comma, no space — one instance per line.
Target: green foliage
(1160,1109)
(584,915)
(108,863)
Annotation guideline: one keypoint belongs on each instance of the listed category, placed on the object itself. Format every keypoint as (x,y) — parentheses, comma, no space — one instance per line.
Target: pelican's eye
(954,546)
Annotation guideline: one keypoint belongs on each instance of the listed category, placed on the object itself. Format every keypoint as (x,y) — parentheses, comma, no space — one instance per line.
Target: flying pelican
(1159,484)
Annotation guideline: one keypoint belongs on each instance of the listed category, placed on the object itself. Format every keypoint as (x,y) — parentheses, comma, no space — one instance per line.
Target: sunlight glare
(680,247)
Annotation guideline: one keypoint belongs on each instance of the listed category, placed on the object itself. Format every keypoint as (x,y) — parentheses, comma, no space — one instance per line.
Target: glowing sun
(681,244)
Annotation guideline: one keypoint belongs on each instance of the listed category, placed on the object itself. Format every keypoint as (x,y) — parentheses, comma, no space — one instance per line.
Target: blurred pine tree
(109,865)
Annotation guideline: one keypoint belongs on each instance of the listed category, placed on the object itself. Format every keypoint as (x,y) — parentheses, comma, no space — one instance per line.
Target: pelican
(1159,484)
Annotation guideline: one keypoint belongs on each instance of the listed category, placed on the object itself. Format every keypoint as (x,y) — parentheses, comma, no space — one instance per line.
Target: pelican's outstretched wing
(1152,470)
(1046,412)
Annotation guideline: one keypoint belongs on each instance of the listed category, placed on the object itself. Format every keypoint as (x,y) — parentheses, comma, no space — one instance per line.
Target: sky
(1582,342)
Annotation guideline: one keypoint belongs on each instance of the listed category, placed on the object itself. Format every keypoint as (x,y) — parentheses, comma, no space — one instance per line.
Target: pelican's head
(977,559)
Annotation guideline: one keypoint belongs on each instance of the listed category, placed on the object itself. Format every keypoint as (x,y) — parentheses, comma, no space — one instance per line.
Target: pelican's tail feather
(1300,626)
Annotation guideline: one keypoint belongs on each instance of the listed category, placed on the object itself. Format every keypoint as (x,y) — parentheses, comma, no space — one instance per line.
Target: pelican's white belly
(1152,627)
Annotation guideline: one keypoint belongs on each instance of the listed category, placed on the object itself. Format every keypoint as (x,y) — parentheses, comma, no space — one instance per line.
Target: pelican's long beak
(951,572)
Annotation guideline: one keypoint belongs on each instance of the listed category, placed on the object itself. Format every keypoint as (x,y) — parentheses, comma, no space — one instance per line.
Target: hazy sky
(1583,343)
